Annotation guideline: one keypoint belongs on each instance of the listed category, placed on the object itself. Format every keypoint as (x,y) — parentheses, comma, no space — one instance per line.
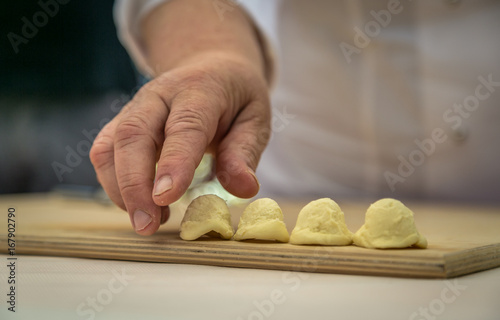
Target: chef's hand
(215,103)
(209,94)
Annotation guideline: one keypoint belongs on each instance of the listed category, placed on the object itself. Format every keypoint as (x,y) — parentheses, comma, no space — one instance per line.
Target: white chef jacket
(380,98)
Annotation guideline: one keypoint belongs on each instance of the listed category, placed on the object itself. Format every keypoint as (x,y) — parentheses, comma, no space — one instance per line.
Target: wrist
(181,32)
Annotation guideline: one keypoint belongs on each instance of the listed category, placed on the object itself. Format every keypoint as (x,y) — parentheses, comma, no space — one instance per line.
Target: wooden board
(462,240)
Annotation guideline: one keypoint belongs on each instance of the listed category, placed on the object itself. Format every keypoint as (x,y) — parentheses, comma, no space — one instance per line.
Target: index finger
(138,137)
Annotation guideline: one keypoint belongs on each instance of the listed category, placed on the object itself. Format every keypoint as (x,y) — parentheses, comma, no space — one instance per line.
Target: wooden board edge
(338,266)
(478,259)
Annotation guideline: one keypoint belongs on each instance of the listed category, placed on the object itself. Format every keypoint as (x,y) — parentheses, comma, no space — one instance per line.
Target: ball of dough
(389,224)
(321,222)
(263,220)
(207,215)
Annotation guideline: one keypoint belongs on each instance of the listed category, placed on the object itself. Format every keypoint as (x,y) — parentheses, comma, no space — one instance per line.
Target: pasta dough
(321,222)
(207,215)
(263,220)
(389,224)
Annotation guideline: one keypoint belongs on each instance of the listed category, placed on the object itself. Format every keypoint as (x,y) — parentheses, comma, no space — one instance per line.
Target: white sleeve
(265,16)
(127,15)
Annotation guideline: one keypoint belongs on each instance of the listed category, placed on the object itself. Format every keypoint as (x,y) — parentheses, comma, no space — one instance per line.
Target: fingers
(240,151)
(165,214)
(175,129)
(102,158)
(190,128)
(138,136)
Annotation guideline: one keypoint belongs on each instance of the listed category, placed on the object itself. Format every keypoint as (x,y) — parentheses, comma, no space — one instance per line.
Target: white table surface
(55,287)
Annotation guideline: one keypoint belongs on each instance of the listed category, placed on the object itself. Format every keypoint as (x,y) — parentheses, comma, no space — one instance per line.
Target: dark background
(69,78)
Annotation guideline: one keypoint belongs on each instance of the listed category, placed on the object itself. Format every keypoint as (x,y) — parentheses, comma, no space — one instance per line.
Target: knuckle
(203,84)
(182,152)
(101,153)
(133,124)
(130,182)
(132,129)
(183,78)
(196,77)
(190,122)
(152,86)
(155,88)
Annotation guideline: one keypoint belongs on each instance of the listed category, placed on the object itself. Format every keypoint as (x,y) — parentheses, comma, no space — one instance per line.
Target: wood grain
(462,239)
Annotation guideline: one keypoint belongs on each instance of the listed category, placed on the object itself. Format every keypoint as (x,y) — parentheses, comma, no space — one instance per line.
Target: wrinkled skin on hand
(216,104)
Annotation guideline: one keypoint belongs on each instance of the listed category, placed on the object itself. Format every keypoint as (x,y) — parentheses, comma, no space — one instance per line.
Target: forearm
(182,30)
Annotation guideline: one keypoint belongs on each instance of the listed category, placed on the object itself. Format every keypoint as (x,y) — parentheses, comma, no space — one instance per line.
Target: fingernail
(254,176)
(162,185)
(141,220)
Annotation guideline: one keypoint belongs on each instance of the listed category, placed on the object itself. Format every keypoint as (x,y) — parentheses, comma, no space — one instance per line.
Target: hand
(212,103)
